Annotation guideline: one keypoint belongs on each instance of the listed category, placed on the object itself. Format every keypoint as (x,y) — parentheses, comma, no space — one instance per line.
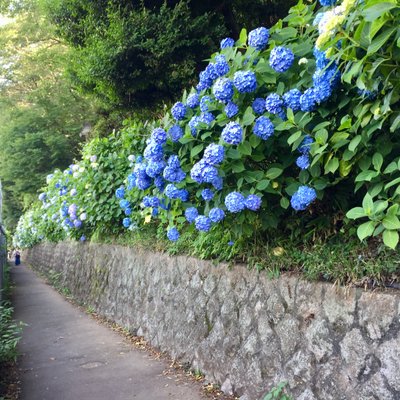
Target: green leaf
(332,165)
(377,161)
(254,140)
(262,185)
(391,222)
(273,173)
(354,142)
(357,212)
(321,136)
(390,238)
(284,202)
(248,117)
(293,137)
(368,204)
(391,168)
(196,150)
(374,12)
(380,40)
(366,176)
(243,37)
(238,166)
(366,229)
(392,183)
(245,148)
(395,124)
(392,210)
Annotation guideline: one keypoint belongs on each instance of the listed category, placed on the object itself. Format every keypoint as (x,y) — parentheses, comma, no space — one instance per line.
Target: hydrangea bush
(286,126)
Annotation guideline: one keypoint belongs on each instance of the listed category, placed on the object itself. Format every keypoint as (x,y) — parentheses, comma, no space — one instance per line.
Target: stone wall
(239,328)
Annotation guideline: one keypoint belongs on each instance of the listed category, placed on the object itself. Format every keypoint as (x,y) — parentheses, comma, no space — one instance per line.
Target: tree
(143,53)
(42,114)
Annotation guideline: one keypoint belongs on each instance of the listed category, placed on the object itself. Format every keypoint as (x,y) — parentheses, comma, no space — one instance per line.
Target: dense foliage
(288,131)
(140,53)
(41,116)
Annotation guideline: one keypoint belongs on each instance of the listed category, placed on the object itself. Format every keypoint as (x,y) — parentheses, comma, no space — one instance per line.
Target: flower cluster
(303,197)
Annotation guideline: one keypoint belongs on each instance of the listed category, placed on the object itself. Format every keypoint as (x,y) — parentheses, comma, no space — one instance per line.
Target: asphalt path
(67,355)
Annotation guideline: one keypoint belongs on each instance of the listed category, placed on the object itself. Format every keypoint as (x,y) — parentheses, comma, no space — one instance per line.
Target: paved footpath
(66,355)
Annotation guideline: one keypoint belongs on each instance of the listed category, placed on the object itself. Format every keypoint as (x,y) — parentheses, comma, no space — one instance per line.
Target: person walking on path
(17,257)
(66,355)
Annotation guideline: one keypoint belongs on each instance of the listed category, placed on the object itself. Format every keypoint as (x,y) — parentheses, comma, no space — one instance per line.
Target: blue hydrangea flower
(318,18)
(307,100)
(245,81)
(194,124)
(173,175)
(126,222)
(143,183)
(128,211)
(209,174)
(263,127)
(196,173)
(73,192)
(274,103)
(146,201)
(211,72)
(304,196)
(231,109)
(120,193)
(183,195)
(327,3)
(291,99)
(191,213)
(281,58)
(77,223)
(175,133)
(216,215)
(221,66)
(159,183)
(217,183)
(223,89)
(154,201)
(82,238)
(124,203)
(305,145)
(193,100)
(159,136)
(155,168)
(253,202)
(178,111)
(207,118)
(42,196)
(202,223)
(173,161)
(172,192)
(232,133)
(320,57)
(173,234)
(214,154)
(227,42)
(207,194)
(153,151)
(258,106)
(154,212)
(322,92)
(205,81)
(204,103)
(231,243)
(235,202)
(303,162)
(258,38)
